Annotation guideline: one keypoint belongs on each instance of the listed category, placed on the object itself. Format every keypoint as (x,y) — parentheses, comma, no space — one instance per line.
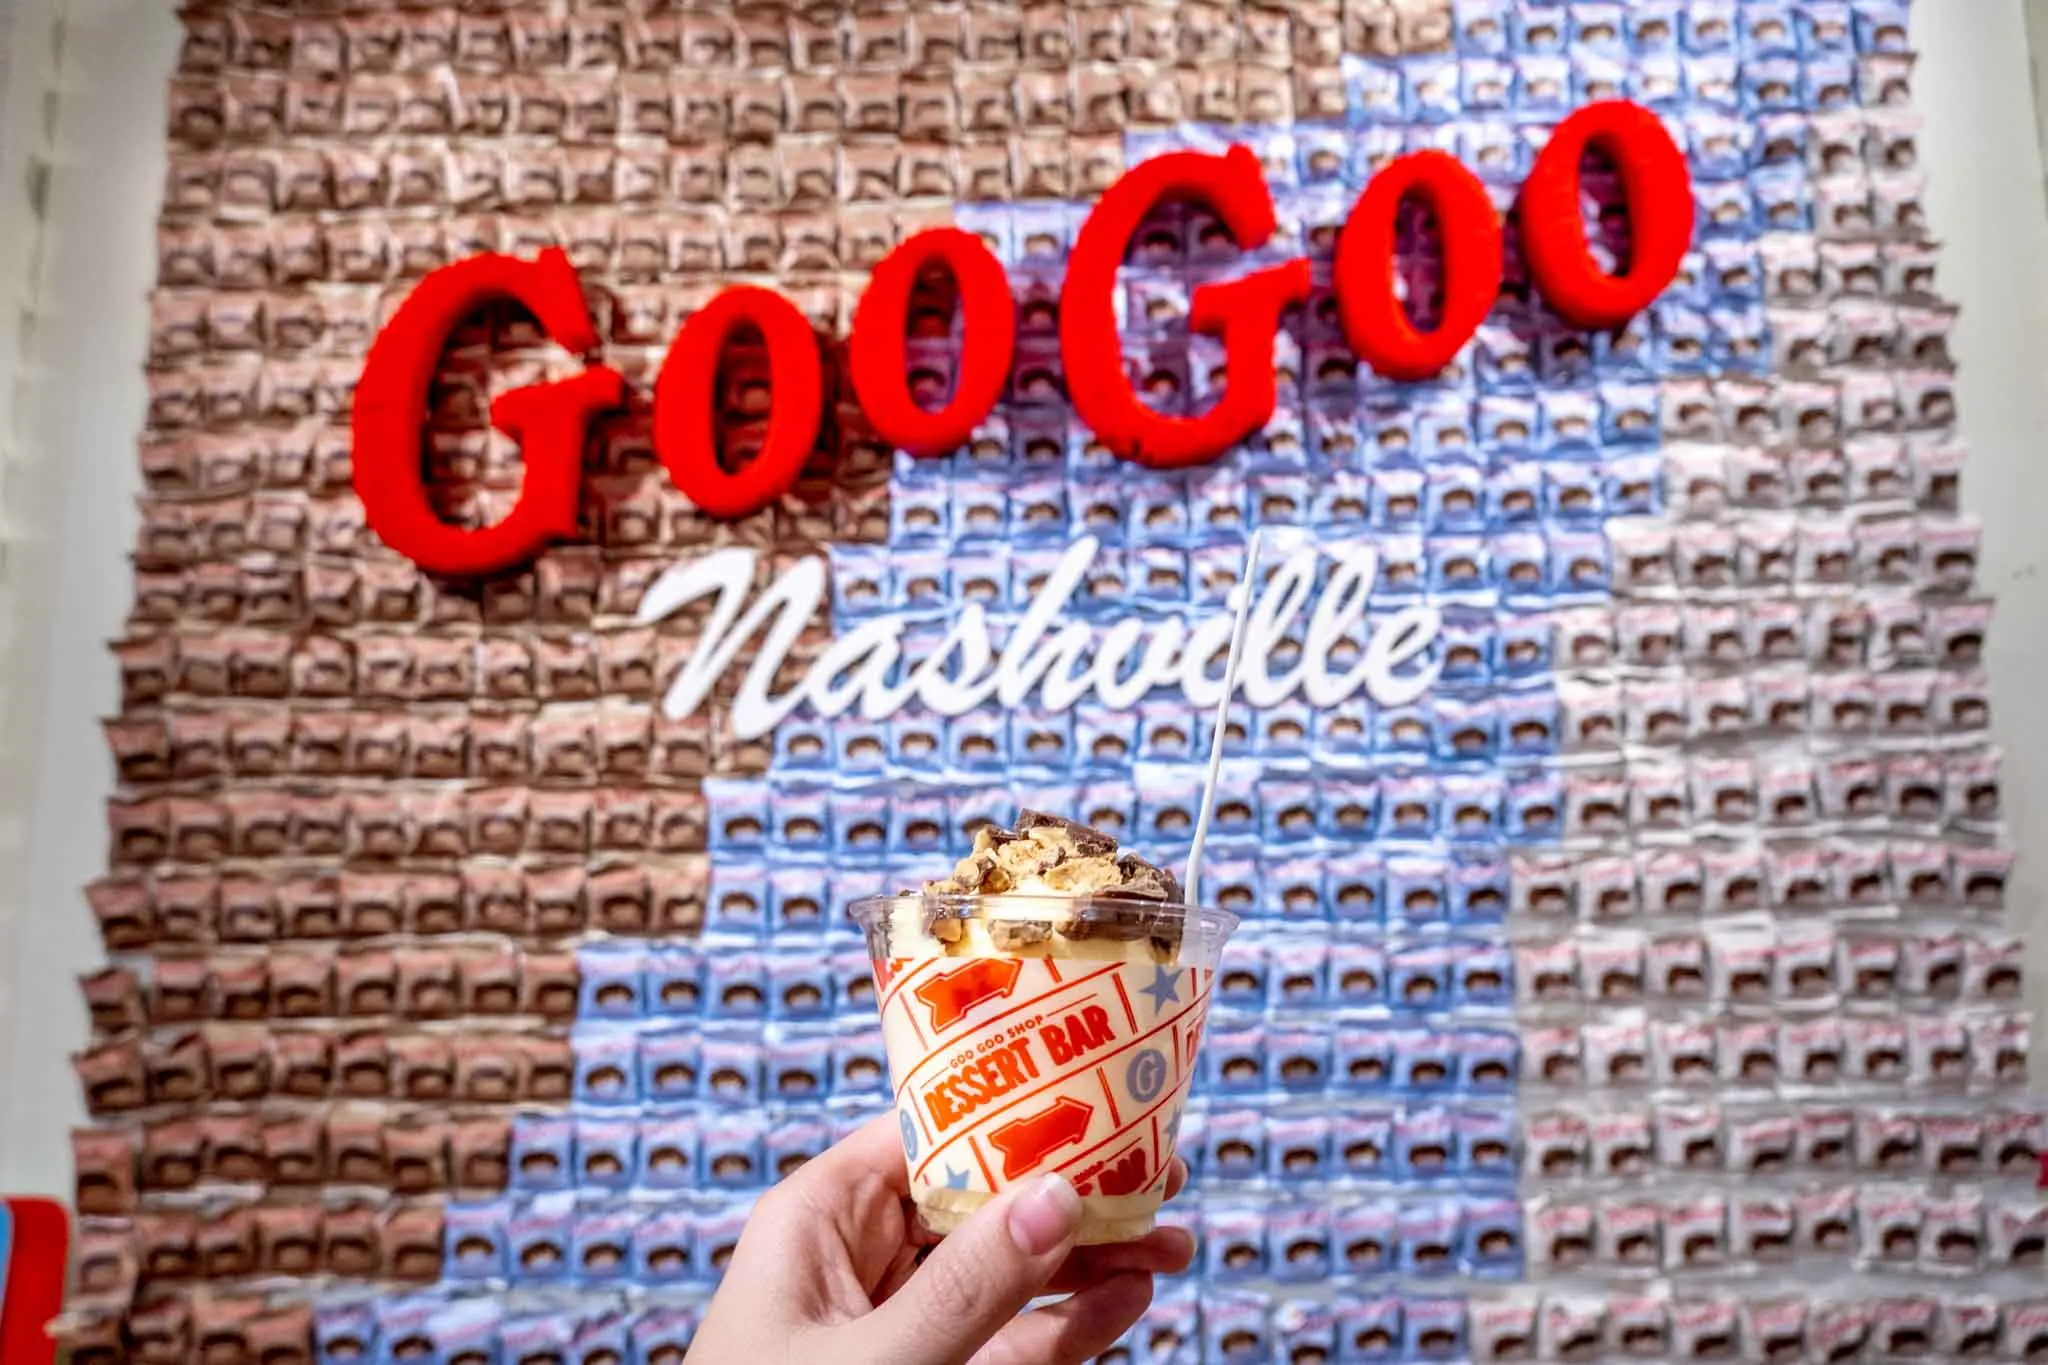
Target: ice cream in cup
(1042,1009)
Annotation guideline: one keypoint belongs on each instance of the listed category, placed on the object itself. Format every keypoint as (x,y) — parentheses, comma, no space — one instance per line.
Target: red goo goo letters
(875,352)
(686,403)
(551,420)
(1660,203)
(1375,321)
(1244,314)
(548,420)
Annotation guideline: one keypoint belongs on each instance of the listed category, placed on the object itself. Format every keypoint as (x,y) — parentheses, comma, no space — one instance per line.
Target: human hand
(833,1269)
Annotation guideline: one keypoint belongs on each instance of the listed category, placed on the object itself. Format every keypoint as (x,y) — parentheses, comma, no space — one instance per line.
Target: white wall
(1986,203)
(28,57)
(85,405)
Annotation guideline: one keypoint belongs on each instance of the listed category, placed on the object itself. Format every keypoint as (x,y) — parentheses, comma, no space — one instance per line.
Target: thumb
(978,1278)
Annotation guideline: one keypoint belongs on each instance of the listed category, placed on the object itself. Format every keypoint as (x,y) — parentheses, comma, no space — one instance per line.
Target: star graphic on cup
(1164,990)
(955,1179)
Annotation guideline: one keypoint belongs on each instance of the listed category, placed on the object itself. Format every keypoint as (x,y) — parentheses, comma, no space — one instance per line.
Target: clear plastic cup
(1015,1050)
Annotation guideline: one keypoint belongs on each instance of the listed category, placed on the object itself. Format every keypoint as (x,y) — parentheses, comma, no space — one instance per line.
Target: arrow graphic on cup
(951,996)
(1028,1141)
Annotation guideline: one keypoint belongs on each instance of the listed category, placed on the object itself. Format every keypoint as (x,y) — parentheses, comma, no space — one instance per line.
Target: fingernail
(1044,1215)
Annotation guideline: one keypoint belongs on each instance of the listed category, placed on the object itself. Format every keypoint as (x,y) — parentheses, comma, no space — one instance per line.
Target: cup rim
(867,910)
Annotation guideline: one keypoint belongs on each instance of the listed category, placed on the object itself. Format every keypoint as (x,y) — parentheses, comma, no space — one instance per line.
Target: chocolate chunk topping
(1144,882)
(1012,936)
(1121,921)
(1087,841)
(1057,856)
(1113,897)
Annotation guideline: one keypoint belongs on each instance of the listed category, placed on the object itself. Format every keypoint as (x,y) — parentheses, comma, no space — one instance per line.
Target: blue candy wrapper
(538,1238)
(663,1246)
(669,1151)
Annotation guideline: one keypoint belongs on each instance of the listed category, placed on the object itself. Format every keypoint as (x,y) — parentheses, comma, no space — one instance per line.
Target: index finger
(876,1149)
(873,1149)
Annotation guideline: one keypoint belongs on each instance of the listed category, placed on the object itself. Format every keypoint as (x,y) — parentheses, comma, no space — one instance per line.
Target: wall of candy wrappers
(1681,955)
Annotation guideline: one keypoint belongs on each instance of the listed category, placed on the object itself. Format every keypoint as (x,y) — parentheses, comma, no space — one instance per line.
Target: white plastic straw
(1191,882)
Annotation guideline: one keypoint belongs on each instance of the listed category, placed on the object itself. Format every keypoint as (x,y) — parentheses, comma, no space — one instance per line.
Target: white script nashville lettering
(1065,660)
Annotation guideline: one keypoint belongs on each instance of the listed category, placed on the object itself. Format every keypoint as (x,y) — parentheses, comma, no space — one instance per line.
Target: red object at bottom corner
(36,1268)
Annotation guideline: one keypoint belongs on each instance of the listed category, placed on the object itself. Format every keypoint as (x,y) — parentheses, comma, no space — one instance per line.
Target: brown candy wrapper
(105,1171)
